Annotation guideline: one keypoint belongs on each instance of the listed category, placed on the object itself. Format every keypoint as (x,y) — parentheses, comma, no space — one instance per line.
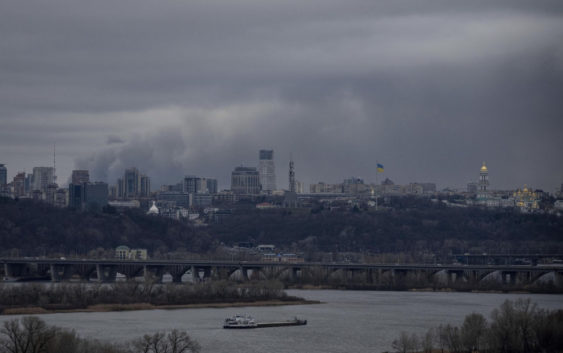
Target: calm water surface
(349,321)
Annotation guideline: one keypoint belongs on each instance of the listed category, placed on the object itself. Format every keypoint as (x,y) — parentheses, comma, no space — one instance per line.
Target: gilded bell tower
(483,183)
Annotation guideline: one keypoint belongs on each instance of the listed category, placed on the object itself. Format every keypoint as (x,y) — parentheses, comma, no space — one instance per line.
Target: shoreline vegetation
(30,334)
(98,308)
(37,298)
(515,327)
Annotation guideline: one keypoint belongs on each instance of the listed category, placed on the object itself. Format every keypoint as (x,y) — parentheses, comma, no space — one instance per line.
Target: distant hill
(30,228)
(406,225)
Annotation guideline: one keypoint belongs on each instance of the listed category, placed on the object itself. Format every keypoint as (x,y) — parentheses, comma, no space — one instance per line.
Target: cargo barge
(247,321)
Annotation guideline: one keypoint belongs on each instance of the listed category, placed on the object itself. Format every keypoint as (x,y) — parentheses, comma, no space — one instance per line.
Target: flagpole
(376,181)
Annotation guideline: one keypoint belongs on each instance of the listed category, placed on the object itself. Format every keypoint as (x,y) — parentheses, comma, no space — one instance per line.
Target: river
(347,322)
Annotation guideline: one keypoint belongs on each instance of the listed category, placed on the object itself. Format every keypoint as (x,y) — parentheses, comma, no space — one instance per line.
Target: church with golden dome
(526,199)
(483,193)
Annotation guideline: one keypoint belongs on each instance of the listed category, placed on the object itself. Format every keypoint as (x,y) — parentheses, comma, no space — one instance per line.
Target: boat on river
(240,321)
(247,321)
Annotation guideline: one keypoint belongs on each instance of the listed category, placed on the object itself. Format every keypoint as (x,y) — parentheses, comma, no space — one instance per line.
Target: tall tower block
(267,170)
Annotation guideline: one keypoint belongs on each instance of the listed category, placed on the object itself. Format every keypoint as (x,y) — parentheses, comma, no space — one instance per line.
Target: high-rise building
(483,183)
(196,185)
(4,191)
(75,196)
(50,193)
(28,183)
(245,180)
(211,185)
(3,175)
(112,192)
(42,177)
(120,188)
(299,187)
(61,198)
(80,176)
(88,196)
(267,170)
(95,195)
(192,184)
(132,181)
(133,184)
(145,186)
(354,185)
(19,185)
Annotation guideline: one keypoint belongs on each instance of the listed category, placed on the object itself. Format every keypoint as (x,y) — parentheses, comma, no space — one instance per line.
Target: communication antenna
(55,162)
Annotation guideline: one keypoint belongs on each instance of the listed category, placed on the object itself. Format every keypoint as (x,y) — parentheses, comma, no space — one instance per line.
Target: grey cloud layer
(430,88)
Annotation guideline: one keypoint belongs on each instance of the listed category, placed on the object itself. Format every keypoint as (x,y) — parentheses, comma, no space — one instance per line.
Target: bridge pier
(269,272)
(508,277)
(17,270)
(206,273)
(244,273)
(7,271)
(176,271)
(153,273)
(106,273)
(222,273)
(60,272)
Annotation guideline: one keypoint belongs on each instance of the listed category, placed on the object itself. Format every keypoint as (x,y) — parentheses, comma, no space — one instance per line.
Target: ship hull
(268,324)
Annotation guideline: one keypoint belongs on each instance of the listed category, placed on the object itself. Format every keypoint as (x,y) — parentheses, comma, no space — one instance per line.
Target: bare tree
(473,331)
(441,338)
(31,335)
(512,327)
(452,338)
(427,341)
(405,343)
(175,342)
(180,342)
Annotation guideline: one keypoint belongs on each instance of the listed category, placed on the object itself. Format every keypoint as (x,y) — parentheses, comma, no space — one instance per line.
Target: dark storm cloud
(112,139)
(429,88)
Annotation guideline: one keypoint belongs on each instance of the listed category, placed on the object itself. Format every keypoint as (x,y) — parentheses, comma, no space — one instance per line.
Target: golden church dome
(484,168)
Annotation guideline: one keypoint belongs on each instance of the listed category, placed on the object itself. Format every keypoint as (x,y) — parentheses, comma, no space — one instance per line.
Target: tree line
(516,327)
(68,296)
(30,334)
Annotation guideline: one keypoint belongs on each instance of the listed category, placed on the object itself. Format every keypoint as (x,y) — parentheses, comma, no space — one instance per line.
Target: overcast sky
(430,89)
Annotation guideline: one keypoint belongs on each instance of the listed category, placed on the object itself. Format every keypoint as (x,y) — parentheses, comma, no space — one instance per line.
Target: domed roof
(153,209)
(484,168)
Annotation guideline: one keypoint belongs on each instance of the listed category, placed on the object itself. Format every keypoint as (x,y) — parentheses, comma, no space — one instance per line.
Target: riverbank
(36,310)
(353,287)
(120,296)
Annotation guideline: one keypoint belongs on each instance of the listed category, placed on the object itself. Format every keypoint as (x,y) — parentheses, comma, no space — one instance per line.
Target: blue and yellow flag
(379,168)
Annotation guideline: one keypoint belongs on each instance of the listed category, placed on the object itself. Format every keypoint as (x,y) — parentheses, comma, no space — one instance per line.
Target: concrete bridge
(56,270)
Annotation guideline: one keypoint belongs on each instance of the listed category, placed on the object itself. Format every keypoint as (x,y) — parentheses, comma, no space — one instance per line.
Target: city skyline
(144,180)
(430,90)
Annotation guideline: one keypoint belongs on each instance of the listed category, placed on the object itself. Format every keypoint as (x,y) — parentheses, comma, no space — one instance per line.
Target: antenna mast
(54,162)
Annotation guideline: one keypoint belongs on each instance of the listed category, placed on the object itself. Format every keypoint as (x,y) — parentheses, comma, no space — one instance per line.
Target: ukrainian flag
(379,168)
